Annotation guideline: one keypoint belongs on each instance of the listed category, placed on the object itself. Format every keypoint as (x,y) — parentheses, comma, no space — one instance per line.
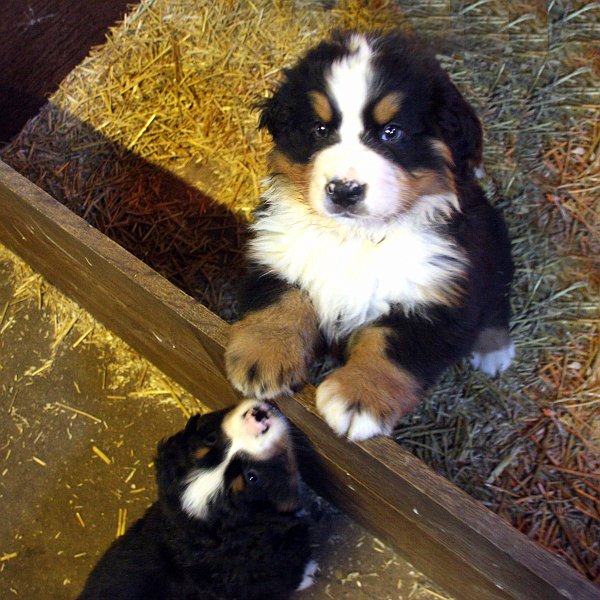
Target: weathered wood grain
(461,545)
(40,42)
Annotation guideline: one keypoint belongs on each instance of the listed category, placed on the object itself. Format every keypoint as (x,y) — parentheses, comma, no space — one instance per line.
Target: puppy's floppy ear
(170,464)
(192,423)
(275,112)
(270,115)
(458,125)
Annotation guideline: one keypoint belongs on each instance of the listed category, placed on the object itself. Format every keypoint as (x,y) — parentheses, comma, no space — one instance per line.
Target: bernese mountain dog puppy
(226,523)
(373,237)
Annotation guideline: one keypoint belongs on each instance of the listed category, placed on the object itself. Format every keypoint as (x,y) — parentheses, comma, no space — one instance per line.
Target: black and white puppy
(225,525)
(373,236)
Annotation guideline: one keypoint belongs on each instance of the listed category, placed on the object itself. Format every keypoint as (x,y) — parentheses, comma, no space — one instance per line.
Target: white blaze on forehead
(203,485)
(349,83)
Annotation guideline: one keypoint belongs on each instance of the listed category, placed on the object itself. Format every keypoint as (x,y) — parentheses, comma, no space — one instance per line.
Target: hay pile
(168,100)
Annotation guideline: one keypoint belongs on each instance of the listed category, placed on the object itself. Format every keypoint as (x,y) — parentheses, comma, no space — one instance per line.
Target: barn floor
(83,414)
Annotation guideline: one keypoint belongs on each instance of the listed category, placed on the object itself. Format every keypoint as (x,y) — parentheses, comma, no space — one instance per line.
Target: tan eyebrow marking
(387,107)
(201,452)
(321,106)
(238,485)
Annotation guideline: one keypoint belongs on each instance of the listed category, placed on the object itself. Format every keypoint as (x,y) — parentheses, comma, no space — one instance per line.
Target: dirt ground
(82,416)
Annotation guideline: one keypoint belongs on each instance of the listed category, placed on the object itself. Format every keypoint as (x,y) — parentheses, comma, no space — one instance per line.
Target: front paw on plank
(360,402)
(265,362)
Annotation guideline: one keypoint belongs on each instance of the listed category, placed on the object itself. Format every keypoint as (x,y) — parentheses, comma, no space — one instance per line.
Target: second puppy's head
(240,458)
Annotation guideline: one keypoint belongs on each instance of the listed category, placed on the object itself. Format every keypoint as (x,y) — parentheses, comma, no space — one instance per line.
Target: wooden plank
(40,42)
(461,545)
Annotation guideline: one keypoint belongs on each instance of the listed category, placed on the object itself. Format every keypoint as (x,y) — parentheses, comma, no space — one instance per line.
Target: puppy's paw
(493,351)
(264,362)
(495,362)
(368,395)
(310,573)
(350,409)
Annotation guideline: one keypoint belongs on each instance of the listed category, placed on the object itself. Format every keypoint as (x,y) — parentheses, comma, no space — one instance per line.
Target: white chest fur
(353,276)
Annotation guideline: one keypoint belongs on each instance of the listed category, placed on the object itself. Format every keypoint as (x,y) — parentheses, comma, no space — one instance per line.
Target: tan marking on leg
(270,350)
(368,355)
(492,339)
(298,174)
(321,106)
(387,108)
(374,391)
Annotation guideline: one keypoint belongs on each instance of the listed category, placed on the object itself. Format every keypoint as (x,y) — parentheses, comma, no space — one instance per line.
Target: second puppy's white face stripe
(350,84)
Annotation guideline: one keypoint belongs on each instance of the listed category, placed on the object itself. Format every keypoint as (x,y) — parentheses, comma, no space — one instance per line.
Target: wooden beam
(447,535)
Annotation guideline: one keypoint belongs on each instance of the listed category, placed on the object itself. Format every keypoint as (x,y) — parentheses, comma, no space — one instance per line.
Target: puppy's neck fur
(354,273)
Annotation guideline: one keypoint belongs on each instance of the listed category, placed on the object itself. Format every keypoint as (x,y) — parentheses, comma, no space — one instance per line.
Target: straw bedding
(153,140)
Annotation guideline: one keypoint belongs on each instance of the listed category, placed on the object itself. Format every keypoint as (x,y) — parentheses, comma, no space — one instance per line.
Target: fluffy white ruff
(310,572)
(337,411)
(353,273)
(494,363)
(204,485)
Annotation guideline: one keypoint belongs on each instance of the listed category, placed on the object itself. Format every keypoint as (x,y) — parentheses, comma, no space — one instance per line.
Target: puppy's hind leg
(493,351)
(310,572)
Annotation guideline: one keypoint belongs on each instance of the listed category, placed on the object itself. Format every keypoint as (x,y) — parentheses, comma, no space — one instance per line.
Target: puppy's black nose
(345,193)
(260,414)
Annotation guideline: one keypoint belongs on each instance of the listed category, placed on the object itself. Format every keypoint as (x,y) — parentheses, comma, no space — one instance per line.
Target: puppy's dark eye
(210,439)
(391,133)
(251,476)
(320,130)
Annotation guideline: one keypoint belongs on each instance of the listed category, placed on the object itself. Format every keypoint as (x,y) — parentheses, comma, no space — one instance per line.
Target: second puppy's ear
(192,423)
(459,126)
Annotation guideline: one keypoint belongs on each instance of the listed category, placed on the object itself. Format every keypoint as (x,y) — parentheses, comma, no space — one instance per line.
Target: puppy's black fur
(250,545)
